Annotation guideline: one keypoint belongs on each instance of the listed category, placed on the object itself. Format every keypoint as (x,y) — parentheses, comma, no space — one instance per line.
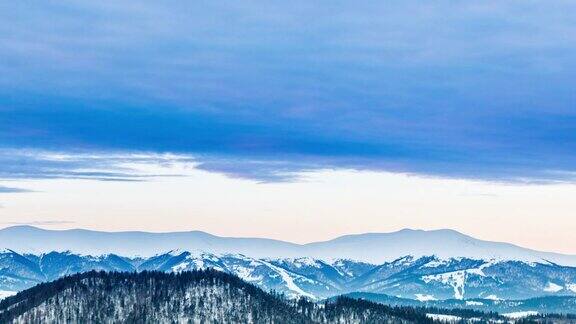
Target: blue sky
(475,89)
(275,118)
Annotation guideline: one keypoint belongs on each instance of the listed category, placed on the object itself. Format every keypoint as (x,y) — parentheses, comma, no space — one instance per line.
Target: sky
(299,121)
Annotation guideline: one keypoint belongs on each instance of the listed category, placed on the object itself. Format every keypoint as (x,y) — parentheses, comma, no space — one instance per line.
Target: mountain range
(374,248)
(484,281)
(423,279)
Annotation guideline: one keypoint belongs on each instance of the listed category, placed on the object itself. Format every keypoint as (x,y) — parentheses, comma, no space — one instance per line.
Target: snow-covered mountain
(374,248)
(425,278)
(422,266)
(31,239)
(445,243)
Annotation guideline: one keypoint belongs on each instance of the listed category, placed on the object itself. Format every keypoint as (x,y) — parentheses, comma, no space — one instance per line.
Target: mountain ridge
(367,247)
(65,294)
(425,278)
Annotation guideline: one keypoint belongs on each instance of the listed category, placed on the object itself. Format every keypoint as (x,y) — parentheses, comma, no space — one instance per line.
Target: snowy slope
(373,247)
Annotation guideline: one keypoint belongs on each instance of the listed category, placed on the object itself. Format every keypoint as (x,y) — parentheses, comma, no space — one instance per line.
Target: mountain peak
(22,227)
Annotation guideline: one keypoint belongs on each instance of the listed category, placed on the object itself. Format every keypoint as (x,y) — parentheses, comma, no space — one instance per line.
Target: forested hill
(205,296)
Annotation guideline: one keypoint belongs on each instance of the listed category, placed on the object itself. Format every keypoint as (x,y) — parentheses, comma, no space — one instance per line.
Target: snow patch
(7,293)
(493,297)
(345,267)
(435,263)
(424,298)
(290,284)
(552,287)
(405,260)
(306,261)
(474,303)
(199,264)
(455,279)
(246,273)
(443,317)
(180,267)
(516,315)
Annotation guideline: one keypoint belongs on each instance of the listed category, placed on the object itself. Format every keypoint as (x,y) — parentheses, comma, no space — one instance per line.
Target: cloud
(266,90)
(32,164)
(12,190)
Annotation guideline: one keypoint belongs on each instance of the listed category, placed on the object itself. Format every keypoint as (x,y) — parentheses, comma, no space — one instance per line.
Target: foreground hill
(198,296)
(374,248)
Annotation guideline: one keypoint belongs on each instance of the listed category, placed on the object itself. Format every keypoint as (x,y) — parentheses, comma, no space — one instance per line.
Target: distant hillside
(205,296)
(540,305)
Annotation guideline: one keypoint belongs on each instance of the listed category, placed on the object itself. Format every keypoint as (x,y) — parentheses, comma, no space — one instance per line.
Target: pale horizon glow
(317,206)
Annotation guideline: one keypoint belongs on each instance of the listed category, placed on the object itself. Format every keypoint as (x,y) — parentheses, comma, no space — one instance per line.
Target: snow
(210,257)
(552,287)
(442,317)
(405,260)
(6,293)
(477,271)
(455,279)
(340,266)
(306,261)
(290,284)
(199,264)
(196,261)
(474,303)
(342,272)
(180,267)
(246,273)
(435,263)
(424,297)
(480,270)
(516,315)
(175,252)
(493,297)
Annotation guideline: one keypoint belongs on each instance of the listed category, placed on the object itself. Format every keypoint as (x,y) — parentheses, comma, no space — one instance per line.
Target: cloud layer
(12,190)
(263,89)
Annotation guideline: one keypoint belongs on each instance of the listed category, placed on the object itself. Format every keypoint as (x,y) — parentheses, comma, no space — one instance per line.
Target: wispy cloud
(99,166)
(12,190)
